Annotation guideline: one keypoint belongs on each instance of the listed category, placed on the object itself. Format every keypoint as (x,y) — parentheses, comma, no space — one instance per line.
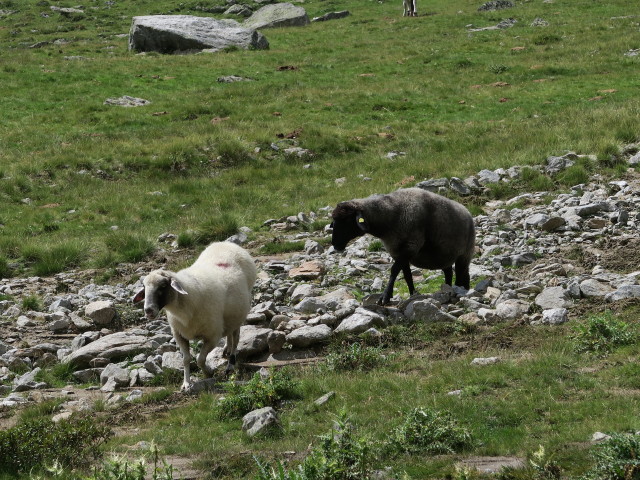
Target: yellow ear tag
(361,220)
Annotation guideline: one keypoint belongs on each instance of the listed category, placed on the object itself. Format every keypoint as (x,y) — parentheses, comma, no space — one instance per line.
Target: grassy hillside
(454,101)
(199,162)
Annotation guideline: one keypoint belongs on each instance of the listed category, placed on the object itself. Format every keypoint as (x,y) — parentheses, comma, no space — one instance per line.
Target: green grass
(73,168)
(543,392)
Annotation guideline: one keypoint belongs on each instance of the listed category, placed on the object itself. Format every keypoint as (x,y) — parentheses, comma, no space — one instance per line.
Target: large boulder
(177,33)
(115,346)
(278,15)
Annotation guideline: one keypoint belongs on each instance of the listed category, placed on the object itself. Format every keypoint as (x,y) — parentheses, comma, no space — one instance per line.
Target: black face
(344,230)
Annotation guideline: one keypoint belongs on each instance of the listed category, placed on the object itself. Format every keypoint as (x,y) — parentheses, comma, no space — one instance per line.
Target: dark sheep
(417,227)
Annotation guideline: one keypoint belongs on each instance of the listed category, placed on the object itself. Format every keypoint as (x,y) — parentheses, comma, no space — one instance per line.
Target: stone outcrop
(184,33)
(277,15)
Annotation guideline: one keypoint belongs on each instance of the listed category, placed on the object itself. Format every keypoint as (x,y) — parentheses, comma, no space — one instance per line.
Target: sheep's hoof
(186,387)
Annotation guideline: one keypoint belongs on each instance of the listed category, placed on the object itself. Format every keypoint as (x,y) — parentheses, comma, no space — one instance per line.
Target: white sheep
(206,301)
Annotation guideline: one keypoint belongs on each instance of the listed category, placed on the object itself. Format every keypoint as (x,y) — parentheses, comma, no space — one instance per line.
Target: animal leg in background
(448,275)
(395,270)
(409,8)
(202,357)
(406,271)
(463,278)
(230,349)
(183,343)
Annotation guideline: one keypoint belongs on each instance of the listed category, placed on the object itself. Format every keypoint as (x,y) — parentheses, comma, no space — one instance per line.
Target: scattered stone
(127,101)
(260,421)
(331,16)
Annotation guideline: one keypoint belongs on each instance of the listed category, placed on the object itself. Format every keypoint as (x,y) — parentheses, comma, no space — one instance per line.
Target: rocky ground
(543,258)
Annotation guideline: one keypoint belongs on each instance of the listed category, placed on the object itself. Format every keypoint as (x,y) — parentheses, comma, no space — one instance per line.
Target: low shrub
(31,445)
(257,393)
(355,357)
(601,334)
(341,455)
(617,458)
(430,432)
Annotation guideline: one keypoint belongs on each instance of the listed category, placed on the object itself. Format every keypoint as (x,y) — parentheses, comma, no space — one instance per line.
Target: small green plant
(543,466)
(574,175)
(355,357)
(341,455)
(51,260)
(498,68)
(609,156)
(59,375)
(5,269)
(257,393)
(376,246)
(212,230)
(601,333)
(429,432)
(30,445)
(129,248)
(32,302)
(276,247)
(41,410)
(536,180)
(617,458)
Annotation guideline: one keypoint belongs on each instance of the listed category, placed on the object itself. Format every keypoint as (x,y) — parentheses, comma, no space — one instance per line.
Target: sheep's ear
(177,287)
(362,223)
(139,296)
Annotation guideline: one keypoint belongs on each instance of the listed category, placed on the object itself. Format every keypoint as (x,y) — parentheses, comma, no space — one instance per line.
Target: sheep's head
(159,288)
(348,223)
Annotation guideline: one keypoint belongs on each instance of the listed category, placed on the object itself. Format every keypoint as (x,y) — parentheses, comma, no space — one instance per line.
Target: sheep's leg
(388,292)
(462,275)
(448,275)
(406,271)
(232,344)
(183,343)
(202,357)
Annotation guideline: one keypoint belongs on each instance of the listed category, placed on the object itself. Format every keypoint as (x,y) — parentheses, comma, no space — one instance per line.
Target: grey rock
(102,313)
(483,361)
(172,361)
(240,10)
(361,321)
(253,340)
(485,177)
(426,311)
(127,101)
(624,291)
(592,288)
(331,16)
(306,336)
(512,309)
(233,79)
(178,33)
(329,302)
(554,316)
(324,399)
(259,421)
(277,15)
(110,347)
(553,297)
(119,375)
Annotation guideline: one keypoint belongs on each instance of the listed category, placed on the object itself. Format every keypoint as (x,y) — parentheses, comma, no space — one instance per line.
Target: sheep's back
(219,285)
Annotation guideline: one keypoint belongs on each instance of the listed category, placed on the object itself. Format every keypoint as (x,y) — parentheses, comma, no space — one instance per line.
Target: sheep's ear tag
(362,223)
(177,287)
